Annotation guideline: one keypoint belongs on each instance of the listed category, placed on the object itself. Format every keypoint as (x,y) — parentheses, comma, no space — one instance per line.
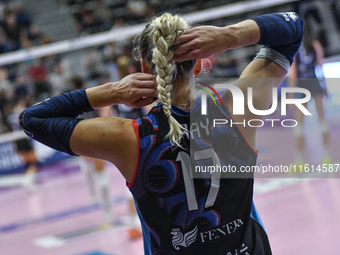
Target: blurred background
(48,203)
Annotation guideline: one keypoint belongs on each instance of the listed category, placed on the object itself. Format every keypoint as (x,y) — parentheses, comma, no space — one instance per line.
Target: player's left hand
(136,90)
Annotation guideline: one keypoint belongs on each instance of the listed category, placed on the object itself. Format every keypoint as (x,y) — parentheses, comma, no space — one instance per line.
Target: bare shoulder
(109,138)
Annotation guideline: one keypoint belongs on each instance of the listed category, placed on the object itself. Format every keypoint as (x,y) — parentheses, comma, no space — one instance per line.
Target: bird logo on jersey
(183,240)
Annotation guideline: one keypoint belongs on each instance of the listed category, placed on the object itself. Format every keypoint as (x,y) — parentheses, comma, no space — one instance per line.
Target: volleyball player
(179,214)
(24,148)
(303,74)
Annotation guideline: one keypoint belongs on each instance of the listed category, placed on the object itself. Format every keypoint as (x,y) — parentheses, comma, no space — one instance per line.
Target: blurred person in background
(94,168)
(89,24)
(109,52)
(58,81)
(5,96)
(24,146)
(137,9)
(12,30)
(102,14)
(78,19)
(34,35)
(6,45)
(22,15)
(92,62)
(120,46)
(38,75)
(119,23)
(25,42)
(66,66)
(21,88)
(303,74)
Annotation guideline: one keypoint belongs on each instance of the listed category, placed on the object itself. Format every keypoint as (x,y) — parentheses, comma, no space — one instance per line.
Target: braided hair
(155,46)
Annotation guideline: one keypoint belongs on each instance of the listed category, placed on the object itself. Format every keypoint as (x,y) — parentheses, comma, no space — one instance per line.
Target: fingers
(138,86)
(185,43)
(147,84)
(144,80)
(180,58)
(193,54)
(186,46)
(141,93)
(188,36)
(145,76)
(143,102)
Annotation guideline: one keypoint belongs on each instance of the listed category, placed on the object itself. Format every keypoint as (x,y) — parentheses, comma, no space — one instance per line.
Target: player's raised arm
(272,30)
(281,35)
(205,41)
(54,121)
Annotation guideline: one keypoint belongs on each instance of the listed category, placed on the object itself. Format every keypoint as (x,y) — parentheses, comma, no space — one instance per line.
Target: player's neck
(183,96)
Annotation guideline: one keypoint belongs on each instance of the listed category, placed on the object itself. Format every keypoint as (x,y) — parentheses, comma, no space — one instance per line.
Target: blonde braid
(167,29)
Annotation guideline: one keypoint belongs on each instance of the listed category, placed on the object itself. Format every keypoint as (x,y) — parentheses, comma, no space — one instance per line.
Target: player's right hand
(201,42)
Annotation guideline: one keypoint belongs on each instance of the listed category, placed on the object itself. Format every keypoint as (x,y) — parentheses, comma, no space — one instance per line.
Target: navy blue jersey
(185,212)
(305,62)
